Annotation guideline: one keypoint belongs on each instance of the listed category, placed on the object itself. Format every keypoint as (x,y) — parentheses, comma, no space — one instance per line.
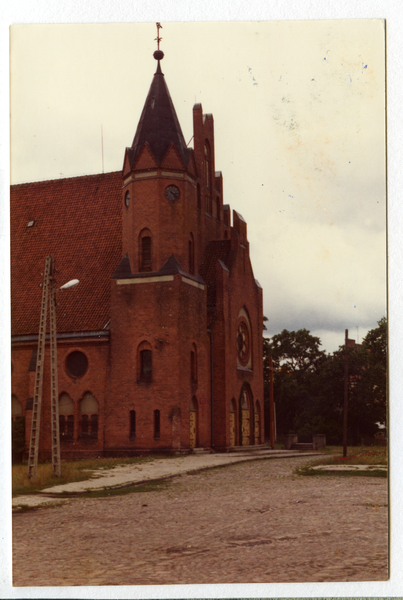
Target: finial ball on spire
(158,55)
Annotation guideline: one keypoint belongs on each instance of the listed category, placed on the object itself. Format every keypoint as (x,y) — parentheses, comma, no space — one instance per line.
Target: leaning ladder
(48,292)
(56,468)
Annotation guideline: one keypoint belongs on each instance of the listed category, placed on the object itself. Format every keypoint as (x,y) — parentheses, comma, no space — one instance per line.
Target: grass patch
(71,471)
(152,486)
(308,471)
(371,456)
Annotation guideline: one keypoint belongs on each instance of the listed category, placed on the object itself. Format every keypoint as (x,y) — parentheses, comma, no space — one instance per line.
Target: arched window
(157,425)
(145,251)
(89,416)
(191,252)
(193,363)
(66,416)
(132,424)
(144,362)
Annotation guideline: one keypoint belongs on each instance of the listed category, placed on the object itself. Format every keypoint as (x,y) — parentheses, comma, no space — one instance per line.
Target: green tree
(366,388)
(296,359)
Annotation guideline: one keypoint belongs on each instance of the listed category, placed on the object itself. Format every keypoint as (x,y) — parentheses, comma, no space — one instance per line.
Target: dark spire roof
(159,125)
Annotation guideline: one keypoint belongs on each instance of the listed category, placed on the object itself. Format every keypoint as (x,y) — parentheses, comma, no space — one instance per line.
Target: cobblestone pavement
(253,522)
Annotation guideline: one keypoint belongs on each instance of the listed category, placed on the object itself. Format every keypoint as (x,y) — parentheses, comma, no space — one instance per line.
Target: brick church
(159,347)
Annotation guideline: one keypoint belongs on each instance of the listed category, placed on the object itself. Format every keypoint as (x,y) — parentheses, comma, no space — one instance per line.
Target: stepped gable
(159,125)
(78,221)
(217,250)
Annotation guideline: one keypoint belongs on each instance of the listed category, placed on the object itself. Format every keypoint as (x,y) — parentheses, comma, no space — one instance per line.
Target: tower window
(145,365)
(146,254)
(145,251)
(218,215)
(156,424)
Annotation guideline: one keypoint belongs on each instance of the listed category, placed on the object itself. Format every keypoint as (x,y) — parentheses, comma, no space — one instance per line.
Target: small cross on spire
(158,38)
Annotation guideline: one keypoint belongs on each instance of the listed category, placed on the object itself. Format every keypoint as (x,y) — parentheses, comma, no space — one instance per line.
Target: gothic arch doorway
(246,415)
(232,423)
(257,423)
(193,423)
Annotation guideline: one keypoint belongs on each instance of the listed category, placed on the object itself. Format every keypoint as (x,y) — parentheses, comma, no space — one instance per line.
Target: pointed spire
(159,126)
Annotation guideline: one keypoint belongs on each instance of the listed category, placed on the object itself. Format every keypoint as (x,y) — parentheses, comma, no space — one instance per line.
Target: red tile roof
(78,221)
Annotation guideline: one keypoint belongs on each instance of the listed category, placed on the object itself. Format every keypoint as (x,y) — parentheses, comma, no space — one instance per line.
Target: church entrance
(193,423)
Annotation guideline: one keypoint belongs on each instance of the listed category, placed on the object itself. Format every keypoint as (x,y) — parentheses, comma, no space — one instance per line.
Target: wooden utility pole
(345,394)
(271,404)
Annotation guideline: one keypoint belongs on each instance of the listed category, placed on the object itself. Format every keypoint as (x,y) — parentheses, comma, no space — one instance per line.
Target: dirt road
(249,523)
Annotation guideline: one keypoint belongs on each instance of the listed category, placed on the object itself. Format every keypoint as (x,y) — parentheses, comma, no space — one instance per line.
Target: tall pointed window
(145,251)
(66,416)
(145,369)
(89,416)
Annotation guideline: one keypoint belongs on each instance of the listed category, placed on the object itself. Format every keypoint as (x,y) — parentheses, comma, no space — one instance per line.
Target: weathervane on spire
(158,54)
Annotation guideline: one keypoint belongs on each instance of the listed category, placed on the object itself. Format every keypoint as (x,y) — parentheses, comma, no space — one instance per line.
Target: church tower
(182,297)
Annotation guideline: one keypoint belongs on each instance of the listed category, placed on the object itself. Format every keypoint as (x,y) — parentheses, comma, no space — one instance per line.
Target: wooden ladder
(48,293)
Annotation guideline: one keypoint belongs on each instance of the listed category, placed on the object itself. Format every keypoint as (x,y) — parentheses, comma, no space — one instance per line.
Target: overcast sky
(299,115)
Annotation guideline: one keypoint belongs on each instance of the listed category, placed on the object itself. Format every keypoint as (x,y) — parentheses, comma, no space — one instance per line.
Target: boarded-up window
(89,416)
(66,405)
